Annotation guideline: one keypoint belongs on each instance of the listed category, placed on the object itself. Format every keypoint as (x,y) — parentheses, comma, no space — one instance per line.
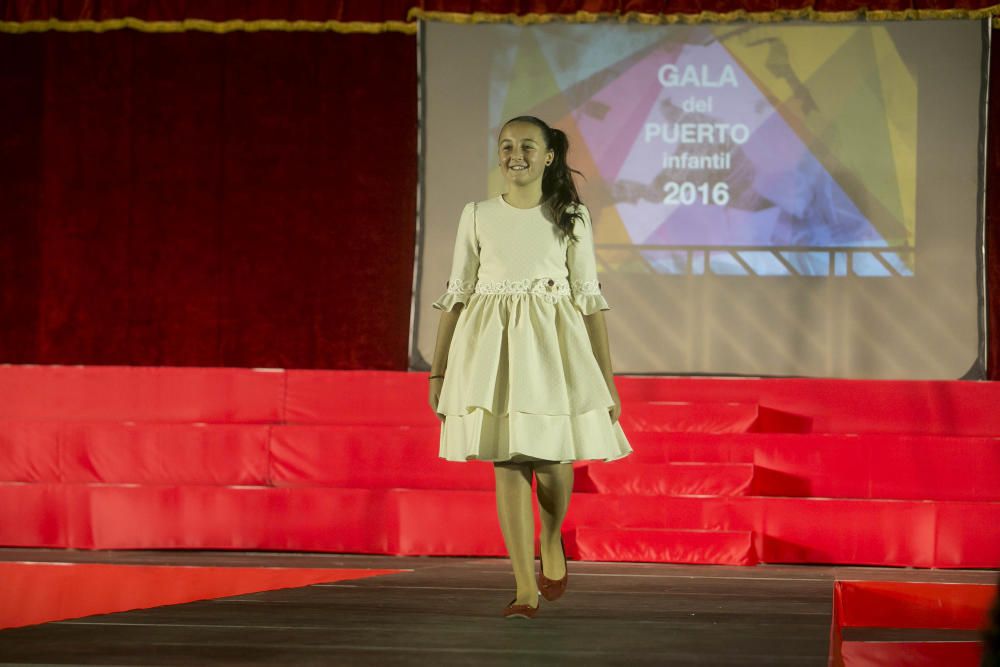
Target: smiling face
(522,153)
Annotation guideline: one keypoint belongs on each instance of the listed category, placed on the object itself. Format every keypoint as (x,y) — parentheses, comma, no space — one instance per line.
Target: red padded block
(877,465)
(813,465)
(33,515)
(935,468)
(175,454)
(372,457)
(881,466)
(724,513)
(911,654)
(42,592)
(913,604)
(809,530)
(358,397)
(226,517)
(816,530)
(668,479)
(967,535)
(455,523)
(29,451)
(902,604)
(849,532)
(664,546)
(683,416)
(712,513)
(652,447)
(132,516)
(140,393)
(841,406)
(333,520)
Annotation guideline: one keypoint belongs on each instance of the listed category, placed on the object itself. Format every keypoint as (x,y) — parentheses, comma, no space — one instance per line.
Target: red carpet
(42,592)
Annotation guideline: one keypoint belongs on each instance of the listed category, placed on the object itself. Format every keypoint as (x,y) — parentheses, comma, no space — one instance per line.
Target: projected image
(747,150)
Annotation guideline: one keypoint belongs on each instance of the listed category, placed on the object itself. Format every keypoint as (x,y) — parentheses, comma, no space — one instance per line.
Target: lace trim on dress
(586,287)
(550,289)
(459,286)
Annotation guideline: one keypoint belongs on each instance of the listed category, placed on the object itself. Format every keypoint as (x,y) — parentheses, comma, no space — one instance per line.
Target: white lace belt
(551,289)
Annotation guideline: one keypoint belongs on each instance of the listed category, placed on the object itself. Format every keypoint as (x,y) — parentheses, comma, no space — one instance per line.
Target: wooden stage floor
(446,611)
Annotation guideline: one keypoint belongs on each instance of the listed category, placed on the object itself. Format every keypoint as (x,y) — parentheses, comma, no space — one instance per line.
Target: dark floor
(447,612)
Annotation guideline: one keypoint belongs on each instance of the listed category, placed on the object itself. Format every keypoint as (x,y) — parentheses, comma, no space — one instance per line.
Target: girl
(521,374)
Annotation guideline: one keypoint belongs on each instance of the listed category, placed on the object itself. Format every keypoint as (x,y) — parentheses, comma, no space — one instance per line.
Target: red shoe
(519,610)
(552,589)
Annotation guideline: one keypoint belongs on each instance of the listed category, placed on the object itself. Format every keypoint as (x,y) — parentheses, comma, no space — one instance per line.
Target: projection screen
(796,199)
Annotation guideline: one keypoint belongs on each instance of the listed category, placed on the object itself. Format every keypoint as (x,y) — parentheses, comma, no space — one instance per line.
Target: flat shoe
(519,610)
(552,589)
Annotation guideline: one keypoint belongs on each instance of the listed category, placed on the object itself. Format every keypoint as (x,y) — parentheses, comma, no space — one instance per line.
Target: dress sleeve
(582,264)
(464,262)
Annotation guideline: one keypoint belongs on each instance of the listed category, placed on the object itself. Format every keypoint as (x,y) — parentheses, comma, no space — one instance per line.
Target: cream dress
(522,382)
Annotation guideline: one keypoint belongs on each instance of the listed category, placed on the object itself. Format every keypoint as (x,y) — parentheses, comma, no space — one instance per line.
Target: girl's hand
(616,410)
(435,395)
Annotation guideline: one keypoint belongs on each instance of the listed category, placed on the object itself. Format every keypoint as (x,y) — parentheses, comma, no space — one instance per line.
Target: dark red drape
(197,199)
(992,225)
(241,199)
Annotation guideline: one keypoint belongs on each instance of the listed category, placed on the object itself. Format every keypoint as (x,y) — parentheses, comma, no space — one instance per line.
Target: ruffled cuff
(587,296)
(459,291)
(448,300)
(590,303)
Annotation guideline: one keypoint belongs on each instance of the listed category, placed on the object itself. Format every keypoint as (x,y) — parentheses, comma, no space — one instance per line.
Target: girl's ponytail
(559,194)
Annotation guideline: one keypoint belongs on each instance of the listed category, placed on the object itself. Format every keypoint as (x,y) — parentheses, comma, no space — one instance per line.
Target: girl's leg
(555,485)
(517,522)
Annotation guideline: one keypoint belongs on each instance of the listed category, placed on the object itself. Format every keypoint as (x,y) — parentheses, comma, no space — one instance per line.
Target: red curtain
(211,10)
(245,199)
(992,226)
(239,199)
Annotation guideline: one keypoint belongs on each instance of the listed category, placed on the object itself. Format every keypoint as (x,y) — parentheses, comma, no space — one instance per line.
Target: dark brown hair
(559,196)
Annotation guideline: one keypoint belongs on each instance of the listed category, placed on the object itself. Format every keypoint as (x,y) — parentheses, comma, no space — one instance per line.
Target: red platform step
(724,547)
(142,394)
(841,406)
(870,465)
(710,417)
(369,457)
(689,478)
(435,522)
(873,466)
(235,395)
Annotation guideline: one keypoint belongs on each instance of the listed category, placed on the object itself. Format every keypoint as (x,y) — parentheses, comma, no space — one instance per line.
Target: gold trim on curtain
(806,14)
(202,25)
(409,26)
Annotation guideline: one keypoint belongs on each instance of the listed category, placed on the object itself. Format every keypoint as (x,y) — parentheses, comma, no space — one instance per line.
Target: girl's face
(523,154)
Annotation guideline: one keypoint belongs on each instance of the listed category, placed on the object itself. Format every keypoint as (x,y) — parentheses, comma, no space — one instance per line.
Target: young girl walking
(521,374)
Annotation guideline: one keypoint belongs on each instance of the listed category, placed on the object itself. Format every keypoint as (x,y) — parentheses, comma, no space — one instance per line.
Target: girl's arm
(446,328)
(597,329)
